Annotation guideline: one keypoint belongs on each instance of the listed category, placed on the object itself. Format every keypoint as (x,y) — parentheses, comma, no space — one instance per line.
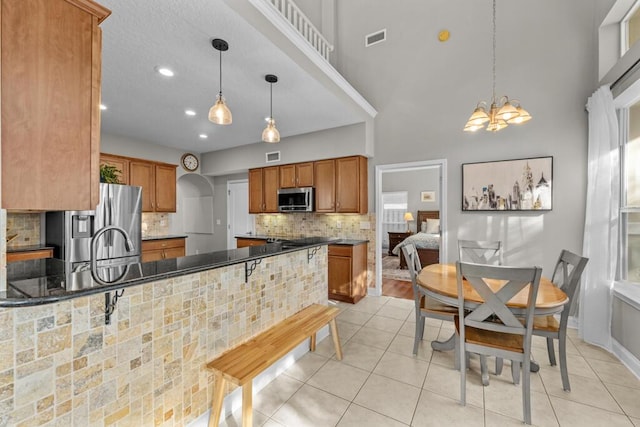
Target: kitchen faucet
(128,244)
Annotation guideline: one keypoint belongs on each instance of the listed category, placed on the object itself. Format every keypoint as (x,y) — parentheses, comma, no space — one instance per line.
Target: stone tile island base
(60,365)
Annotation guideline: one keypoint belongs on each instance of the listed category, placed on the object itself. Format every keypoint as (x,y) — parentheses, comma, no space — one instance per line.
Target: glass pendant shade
(507,111)
(270,133)
(477,120)
(220,113)
(523,116)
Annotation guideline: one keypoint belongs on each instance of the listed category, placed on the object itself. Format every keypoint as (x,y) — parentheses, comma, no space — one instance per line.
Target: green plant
(109,174)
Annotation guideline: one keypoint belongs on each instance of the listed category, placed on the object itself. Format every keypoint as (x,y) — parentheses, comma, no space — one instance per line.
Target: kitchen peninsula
(147,366)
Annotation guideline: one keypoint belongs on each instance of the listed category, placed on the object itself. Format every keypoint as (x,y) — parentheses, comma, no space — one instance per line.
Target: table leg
(445,345)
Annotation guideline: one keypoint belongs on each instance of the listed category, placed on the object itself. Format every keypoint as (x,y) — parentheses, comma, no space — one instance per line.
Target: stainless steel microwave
(296,199)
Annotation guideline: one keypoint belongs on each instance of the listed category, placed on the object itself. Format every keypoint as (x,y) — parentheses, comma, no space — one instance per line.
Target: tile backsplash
(343,226)
(155,224)
(26,226)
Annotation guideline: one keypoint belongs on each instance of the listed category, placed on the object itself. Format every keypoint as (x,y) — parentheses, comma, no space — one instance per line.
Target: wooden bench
(241,364)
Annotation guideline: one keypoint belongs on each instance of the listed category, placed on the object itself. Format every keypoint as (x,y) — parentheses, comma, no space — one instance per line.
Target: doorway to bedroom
(406,194)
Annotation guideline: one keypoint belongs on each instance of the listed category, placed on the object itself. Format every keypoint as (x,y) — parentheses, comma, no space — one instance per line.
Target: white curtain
(601,221)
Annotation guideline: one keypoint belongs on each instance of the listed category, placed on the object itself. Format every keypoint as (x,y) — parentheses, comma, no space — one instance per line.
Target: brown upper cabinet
(325,178)
(263,190)
(340,184)
(351,185)
(296,175)
(120,163)
(158,180)
(50,102)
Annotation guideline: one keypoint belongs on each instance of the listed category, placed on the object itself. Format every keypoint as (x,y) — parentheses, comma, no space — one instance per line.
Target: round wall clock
(189,162)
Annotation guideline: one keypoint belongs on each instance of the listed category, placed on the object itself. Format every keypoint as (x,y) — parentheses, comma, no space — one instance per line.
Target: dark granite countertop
(29,248)
(168,236)
(44,281)
(349,242)
(270,239)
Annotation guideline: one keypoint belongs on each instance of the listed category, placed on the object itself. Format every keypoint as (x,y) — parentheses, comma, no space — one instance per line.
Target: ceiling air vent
(375,38)
(273,156)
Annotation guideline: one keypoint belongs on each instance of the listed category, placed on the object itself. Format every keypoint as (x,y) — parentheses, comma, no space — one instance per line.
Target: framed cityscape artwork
(508,185)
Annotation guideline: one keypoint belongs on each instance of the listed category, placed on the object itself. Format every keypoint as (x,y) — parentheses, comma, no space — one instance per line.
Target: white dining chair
(480,251)
(424,306)
(566,276)
(491,328)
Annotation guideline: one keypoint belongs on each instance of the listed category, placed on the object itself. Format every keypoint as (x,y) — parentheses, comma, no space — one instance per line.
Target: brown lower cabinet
(243,243)
(348,272)
(26,255)
(154,250)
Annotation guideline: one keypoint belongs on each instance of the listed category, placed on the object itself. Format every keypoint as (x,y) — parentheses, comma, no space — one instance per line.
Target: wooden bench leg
(216,403)
(247,404)
(312,346)
(336,339)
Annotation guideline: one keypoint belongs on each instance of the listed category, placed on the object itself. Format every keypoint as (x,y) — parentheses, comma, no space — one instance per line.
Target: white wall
(425,90)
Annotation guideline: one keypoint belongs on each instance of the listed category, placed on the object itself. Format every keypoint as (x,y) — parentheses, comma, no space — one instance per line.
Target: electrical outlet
(163,222)
(338,224)
(365,225)
(217,222)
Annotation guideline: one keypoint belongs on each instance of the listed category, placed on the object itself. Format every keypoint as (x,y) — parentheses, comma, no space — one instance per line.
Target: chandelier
(502,112)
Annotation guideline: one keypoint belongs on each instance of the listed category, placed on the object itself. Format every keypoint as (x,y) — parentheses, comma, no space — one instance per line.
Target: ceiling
(142,35)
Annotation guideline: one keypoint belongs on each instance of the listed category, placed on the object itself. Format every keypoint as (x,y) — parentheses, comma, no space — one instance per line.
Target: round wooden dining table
(440,282)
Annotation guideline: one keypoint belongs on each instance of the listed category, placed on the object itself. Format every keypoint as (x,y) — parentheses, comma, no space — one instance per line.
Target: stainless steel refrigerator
(71,232)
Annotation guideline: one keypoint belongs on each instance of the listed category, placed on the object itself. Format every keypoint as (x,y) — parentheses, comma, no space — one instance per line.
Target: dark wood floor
(397,288)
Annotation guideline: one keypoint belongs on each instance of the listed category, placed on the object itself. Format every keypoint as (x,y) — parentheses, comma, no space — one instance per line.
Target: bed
(427,244)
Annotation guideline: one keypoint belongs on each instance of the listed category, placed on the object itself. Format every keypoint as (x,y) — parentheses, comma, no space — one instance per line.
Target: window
(630,195)
(630,28)
(394,206)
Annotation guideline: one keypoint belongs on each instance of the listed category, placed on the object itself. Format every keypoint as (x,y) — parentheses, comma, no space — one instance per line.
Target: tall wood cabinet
(325,179)
(50,103)
(263,190)
(348,272)
(351,185)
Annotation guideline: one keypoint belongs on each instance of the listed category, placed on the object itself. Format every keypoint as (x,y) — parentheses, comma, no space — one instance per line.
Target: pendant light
(270,133)
(502,112)
(220,113)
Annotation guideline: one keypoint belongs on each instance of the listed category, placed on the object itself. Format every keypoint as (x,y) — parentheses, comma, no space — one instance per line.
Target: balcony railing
(303,25)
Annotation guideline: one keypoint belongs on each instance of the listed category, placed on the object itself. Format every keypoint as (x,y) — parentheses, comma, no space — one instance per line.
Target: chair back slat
(480,251)
(494,314)
(413,264)
(566,276)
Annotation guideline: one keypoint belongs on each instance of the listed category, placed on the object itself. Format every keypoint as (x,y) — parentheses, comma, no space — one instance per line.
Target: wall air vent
(375,38)
(273,156)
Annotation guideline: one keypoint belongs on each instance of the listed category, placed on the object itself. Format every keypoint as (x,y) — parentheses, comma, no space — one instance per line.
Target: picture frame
(427,196)
(508,185)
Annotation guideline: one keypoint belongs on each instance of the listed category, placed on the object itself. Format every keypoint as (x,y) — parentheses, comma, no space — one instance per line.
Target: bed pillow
(433,226)
(423,226)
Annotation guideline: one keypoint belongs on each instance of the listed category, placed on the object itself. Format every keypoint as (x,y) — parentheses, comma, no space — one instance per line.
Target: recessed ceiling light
(165,71)
(103,107)
(203,136)
(190,112)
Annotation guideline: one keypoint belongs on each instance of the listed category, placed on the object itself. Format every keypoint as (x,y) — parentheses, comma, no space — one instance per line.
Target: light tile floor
(380,382)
